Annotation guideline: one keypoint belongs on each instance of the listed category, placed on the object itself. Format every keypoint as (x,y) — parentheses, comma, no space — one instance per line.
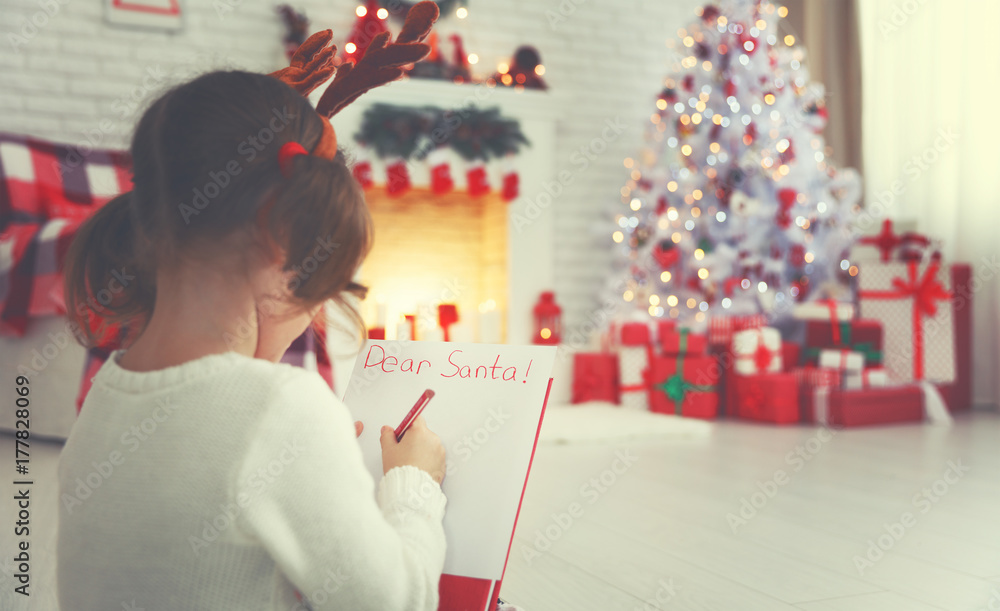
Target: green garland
(412,133)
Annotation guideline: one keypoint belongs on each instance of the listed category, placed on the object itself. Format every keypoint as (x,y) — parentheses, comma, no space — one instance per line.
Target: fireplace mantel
(531,256)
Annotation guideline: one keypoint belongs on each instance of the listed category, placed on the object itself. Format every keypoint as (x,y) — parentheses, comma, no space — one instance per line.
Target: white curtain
(931,133)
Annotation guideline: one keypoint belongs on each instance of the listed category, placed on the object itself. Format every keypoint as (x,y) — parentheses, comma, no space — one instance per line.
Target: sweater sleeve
(310,501)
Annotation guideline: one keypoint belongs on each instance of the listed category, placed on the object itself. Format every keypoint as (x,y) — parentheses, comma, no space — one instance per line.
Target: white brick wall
(607,56)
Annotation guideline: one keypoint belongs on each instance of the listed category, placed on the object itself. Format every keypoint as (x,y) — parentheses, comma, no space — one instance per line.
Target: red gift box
(595,377)
(864,336)
(674,342)
(875,406)
(767,397)
(958,394)
(684,384)
(791,355)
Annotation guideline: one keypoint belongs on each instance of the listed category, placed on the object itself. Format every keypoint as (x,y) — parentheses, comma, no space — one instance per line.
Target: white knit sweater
(229,483)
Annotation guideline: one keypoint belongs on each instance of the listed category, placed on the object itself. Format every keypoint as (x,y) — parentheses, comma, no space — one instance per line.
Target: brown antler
(311,64)
(382,62)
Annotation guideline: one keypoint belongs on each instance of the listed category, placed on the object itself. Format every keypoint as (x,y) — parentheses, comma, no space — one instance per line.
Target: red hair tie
(288,151)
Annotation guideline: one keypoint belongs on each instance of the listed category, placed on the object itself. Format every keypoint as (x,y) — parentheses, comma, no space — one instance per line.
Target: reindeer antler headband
(312,65)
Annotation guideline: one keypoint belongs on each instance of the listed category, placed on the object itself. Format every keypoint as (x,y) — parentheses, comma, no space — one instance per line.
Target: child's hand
(420,447)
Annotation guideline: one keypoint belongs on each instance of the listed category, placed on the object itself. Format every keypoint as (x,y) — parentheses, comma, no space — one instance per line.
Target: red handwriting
(376,357)
(507,374)
(389,364)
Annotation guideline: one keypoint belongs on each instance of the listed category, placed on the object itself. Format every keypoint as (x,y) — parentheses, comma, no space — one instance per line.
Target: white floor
(655,534)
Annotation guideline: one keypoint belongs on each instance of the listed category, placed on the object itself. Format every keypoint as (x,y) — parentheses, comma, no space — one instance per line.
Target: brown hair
(205,165)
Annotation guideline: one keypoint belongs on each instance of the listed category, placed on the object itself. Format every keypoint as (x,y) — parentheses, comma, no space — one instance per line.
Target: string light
(635,204)
(503,68)
(382,13)
(628,296)
(664,276)
(789,40)
(782,11)
(672,300)
(539,70)
(361,11)
(703,274)
(618,236)
(350,47)
(473,58)
(462,12)
(654,300)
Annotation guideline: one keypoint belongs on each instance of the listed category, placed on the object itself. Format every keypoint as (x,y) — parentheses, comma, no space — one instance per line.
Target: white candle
(460,332)
(403,331)
(433,334)
(489,323)
(380,316)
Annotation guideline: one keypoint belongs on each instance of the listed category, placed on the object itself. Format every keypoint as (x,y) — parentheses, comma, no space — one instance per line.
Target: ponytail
(105,284)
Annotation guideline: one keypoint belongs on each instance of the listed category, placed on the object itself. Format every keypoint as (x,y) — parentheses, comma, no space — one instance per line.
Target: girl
(201,473)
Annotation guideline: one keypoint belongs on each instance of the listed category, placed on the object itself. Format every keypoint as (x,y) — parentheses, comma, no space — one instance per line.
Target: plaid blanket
(46,191)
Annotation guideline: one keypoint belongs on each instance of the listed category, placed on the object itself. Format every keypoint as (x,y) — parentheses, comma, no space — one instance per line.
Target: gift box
(811,381)
(958,394)
(872,406)
(595,377)
(847,361)
(684,384)
(757,351)
(791,355)
(868,377)
(634,353)
(767,397)
(682,341)
(824,310)
(863,336)
(913,301)
(722,328)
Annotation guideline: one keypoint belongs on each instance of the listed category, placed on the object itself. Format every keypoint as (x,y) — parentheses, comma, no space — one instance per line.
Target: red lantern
(548,320)
(447,316)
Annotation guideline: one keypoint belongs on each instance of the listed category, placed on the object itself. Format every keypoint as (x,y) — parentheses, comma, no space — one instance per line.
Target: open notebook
(487,408)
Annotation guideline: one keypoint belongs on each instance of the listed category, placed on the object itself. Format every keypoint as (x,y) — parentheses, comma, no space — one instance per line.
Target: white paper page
(486,423)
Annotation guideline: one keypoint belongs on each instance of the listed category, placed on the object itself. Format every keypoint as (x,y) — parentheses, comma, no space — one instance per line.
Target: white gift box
(913,303)
(757,351)
(848,361)
(819,310)
(866,378)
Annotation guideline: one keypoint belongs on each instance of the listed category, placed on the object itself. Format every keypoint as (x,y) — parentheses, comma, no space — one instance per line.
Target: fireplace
(433,249)
(425,242)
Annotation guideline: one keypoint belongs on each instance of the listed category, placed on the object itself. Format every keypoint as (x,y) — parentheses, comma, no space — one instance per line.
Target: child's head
(208,191)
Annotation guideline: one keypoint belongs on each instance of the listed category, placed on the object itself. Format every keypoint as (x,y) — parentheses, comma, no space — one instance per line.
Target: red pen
(414,412)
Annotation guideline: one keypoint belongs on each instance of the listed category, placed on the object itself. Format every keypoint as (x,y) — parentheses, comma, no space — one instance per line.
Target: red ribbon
(762,356)
(832,305)
(925,292)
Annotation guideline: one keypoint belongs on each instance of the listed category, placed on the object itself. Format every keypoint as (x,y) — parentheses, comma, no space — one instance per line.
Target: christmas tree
(732,206)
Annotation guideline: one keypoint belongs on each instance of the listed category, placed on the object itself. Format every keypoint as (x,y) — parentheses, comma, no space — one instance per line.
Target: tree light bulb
(361,11)
(350,47)
(462,12)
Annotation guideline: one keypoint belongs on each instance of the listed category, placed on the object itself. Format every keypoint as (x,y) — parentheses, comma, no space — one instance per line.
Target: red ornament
(666,254)
(745,38)
(441,181)
(661,205)
(688,83)
(797,255)
(548,320)
(398,178)
(730,88)
(478,184)
(786,199)
(511,186)
(362,172)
